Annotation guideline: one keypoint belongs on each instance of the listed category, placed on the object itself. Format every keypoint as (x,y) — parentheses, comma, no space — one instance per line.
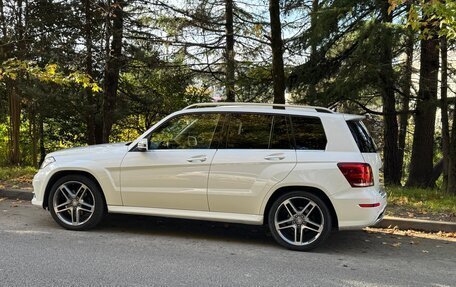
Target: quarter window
(189,131)
(361,135)
(309,133)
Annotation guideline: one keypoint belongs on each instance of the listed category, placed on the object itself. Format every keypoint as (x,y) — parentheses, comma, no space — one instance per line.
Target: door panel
(239,179)
(174,172)
(166,179)
(255,154)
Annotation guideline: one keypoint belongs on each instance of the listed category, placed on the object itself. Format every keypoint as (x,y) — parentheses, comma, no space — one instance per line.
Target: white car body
(228,185)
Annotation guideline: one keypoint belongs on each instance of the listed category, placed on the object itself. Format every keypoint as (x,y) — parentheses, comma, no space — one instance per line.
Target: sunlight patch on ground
(444,236)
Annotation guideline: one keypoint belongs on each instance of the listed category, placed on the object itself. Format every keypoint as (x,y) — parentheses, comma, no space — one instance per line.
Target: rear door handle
(275,156)
(197,158)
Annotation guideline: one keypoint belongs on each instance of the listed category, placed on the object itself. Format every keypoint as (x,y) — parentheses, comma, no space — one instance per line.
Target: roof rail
(218,104)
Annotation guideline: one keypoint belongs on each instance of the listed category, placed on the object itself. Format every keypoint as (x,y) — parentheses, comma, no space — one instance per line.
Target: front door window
(189,131)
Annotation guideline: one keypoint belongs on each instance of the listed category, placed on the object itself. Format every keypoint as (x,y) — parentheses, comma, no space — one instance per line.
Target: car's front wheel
(299,220)
(76,203)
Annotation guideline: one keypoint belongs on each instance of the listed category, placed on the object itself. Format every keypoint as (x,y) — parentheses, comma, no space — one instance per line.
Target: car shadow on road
(184,228)
(358,242)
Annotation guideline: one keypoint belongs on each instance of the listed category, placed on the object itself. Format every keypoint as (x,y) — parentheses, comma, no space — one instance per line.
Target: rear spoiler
(350,117)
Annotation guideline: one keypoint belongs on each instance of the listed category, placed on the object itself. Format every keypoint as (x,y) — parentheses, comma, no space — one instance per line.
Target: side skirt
(189,214)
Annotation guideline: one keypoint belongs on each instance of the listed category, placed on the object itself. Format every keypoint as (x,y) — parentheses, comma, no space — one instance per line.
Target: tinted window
(362,137)
(189,131)
(280,136)
(257,131)
(309,133)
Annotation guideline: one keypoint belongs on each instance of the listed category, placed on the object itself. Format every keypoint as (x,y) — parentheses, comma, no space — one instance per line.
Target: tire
(76,202)
(299,220)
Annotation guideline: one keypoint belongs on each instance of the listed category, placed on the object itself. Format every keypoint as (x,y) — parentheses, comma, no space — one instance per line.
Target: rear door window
(257,131)
(309,133)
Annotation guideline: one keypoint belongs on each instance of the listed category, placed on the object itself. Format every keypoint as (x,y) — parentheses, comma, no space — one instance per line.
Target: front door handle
(275,156)
(197,158)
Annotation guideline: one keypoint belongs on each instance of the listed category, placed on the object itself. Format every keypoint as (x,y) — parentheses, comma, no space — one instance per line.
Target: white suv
(304,171)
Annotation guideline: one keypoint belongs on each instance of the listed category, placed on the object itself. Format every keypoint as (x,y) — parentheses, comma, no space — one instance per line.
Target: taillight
(357,174)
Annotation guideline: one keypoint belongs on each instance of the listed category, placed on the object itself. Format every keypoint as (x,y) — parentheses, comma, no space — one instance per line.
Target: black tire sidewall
(326,215)
(99,202)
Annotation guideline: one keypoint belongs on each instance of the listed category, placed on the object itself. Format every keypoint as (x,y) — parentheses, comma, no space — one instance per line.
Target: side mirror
(143,145)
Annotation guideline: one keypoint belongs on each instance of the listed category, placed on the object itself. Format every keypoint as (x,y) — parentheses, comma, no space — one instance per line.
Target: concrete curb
(388,221)
(16,194)
(417,224)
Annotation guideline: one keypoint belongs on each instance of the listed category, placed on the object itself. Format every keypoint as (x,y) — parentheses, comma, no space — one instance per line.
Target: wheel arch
(315,191)
(59,174)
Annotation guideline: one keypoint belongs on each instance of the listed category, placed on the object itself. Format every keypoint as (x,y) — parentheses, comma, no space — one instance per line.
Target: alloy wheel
(299,221)
(74,203)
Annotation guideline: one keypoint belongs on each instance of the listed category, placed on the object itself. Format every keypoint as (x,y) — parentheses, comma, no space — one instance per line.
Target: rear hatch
(366,145)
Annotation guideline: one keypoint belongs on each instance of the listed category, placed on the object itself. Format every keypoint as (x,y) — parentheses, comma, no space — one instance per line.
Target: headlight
(47,161)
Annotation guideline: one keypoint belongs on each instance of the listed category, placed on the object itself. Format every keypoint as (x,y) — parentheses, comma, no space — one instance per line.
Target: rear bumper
(352,216)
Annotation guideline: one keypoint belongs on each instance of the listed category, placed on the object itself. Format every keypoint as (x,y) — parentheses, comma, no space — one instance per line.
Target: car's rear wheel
(299,220)
(76,203)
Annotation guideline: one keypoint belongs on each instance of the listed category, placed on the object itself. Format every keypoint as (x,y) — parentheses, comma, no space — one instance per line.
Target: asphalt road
(140,251)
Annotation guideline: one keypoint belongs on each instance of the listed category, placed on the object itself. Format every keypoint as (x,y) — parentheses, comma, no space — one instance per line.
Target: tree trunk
(278,74)
(90,112)
(229,52)
(14,103)
(33,135)
(41,133)
(14,98)
(390,131)
(421,164)
(444,109)
(112,69)
(313,49)
(407,85)
(451,186)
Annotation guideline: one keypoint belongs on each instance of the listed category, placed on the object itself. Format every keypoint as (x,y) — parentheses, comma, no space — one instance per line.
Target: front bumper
(39,188)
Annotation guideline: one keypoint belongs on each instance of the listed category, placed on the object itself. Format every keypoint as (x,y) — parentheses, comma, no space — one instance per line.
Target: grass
(9,173)
(422,200)
(16,177)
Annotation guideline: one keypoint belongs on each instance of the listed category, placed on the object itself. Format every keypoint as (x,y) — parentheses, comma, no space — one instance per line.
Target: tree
(114,29)
(392,167)
(406,95)
(229,52)
(421,164)
(278,74)
(444,109)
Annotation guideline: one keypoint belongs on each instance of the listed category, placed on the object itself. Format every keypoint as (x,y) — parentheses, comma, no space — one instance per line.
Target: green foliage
(3,143)
(420,200)
(14,68)
(254,83)
(348,66)
(8,173)
(430,17)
